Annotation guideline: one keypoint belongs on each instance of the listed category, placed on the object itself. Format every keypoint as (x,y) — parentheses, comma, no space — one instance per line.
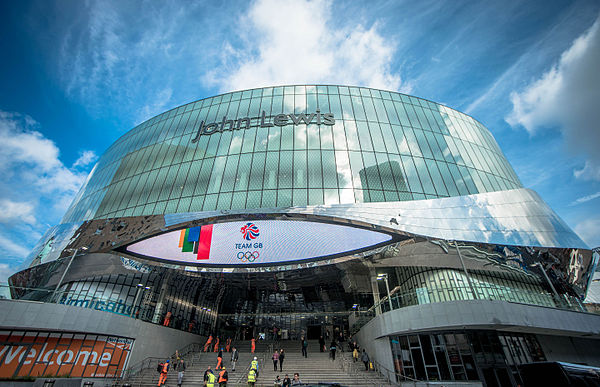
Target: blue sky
(76,75)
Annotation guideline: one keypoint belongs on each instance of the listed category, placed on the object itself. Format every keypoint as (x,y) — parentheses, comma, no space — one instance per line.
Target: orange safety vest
(165,368)
(221,377)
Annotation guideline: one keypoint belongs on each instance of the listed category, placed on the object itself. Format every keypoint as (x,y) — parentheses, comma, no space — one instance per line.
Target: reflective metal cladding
(329,154)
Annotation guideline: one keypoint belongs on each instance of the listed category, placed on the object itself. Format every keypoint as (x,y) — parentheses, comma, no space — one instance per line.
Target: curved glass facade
(319,209)
(383,146)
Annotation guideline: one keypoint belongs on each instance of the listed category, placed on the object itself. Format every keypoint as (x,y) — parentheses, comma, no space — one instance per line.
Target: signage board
(257,242)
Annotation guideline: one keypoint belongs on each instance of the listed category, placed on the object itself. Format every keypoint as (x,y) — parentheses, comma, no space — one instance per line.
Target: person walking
(287,382)
(207,373)
(228,344)
(254,365)
(251,377)
(304,344)
(163,373)
(296,381)
(275,359)
(219,361)
(234,358)
(321,344)
(281,359)
(216,345)
(208,342)
(355,354)
(223,377)
(211,379)
(181,371)
(252,345)
(365,359)
(332,349)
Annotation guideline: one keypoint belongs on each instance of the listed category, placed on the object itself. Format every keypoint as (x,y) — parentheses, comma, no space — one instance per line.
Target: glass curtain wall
(384,146)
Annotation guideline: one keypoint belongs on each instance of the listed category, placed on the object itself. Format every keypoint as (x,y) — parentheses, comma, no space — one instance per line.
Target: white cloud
(9,246)
(11,211)
(566,97)
(585,199)
(85,158)
(28,156)
(590,171)
(156,106)
(295,42)
(589,231)
(35,186)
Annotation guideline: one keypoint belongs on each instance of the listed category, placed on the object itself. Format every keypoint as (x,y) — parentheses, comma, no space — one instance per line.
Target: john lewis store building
(308,209)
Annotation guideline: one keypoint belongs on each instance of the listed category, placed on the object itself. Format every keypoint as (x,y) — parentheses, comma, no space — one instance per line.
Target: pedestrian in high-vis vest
(207,344)
(211,380)
(251,377)
(216,345)
(219,361)
(254,365)
(163,374)
(223,378)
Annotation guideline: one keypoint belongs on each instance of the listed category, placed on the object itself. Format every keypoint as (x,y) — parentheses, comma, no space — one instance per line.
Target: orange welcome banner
(32,355)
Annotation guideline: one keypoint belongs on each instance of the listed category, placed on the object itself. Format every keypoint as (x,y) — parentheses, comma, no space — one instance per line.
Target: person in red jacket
(163,374)
(223,378)
(252,345)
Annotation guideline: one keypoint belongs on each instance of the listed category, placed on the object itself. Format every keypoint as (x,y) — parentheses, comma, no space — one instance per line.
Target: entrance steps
(317,367)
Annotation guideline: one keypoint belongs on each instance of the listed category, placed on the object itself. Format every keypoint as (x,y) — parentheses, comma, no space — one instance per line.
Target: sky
(76,75)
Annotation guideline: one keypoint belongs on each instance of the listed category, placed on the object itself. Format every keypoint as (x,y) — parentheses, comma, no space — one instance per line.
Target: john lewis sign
(278,120)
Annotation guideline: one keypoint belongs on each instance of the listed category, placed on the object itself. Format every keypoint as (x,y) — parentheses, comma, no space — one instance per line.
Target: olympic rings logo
(248,256)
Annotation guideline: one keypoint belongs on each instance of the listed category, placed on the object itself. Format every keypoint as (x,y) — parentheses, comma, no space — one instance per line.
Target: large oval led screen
(256,242)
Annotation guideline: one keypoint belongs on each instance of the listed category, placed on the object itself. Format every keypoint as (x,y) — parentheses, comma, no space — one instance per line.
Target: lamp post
(384,277)
(62,277)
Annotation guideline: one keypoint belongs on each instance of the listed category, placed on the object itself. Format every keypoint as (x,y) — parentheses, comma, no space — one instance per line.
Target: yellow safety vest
(254,364)
(252,376)
(211,380)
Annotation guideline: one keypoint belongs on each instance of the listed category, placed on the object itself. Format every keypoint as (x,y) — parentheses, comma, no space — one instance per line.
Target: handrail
(457,293)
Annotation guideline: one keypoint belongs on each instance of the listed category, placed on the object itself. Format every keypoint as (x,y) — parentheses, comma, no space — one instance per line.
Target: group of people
(286,382)
(278,358)
(163,369)
(221,377)
(216,347)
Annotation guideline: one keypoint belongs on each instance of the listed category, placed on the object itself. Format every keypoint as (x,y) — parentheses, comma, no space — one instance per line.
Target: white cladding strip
(512,217)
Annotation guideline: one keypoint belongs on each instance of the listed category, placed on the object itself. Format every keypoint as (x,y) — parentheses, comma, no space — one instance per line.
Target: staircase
(316,368)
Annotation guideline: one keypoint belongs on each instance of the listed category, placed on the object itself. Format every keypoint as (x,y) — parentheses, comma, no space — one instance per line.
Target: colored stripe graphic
(188,246)
(205,241)
(181,238)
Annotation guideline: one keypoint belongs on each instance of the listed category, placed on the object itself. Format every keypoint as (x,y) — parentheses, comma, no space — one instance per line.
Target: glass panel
(285,170)
(300,170)
(314,170)
(271,171)
(257,170)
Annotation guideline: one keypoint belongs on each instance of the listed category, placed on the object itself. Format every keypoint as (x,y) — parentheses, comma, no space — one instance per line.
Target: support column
(164,288)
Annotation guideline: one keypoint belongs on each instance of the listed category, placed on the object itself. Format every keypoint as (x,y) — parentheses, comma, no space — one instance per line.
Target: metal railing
(461,293)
